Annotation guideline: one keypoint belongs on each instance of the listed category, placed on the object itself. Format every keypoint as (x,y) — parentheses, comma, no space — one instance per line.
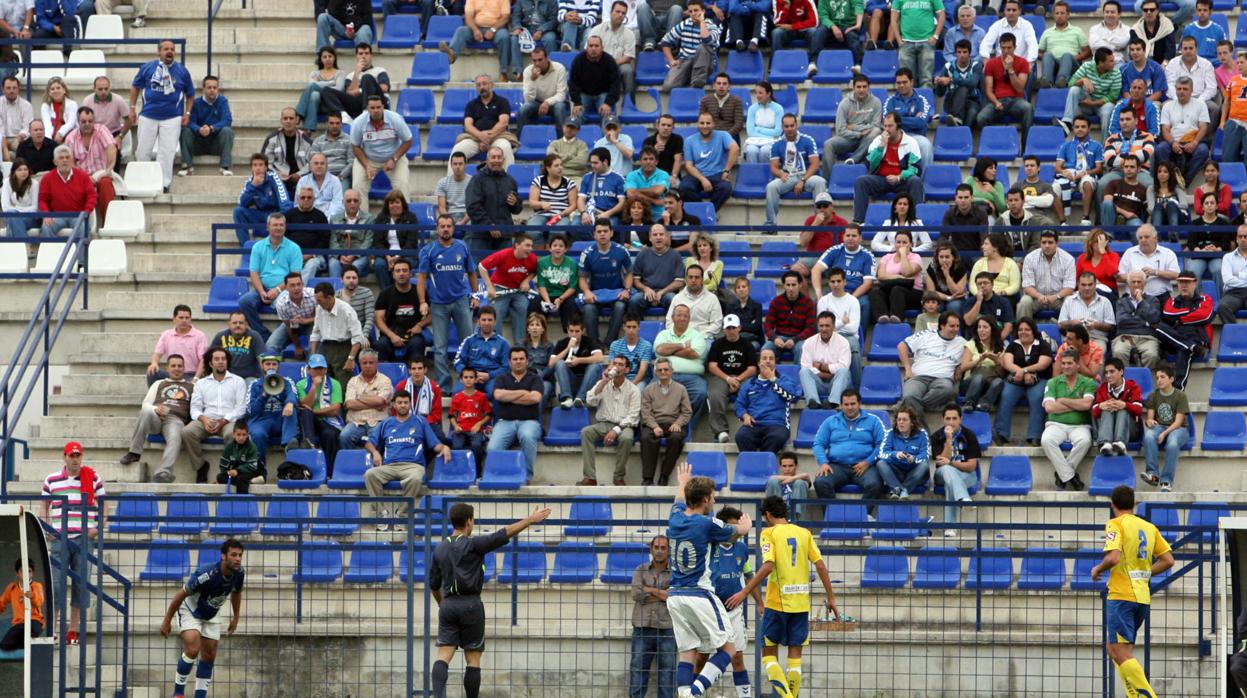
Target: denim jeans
(852,43)
(335,267)
(651,28)
(308,107)
(1234,148)
(800,491)
(558,111)
(1191,164)
(842,474)
(69,551)
(443,313)
(898,479)
(1116,426)
(572,384)
(282,336)
(1073,108)
(1058,70)
(514,305)
(248,223)
(53,229)
(1173,446)
(815,37)
(1108,215)
(1199,265)
(527,433)
(918,56)
(777,188)
(814,387)
(590,311)
(502,42)
(796,348)
(650,645)
(21,227)
(959,103)
(272,429)
(980,388)
(352,435)
(250,305)
(312,268)
(696,387)
(1168,213)
(1010,397)
(592,103)
(872,185)
(1016,107)
(328,28)
(637,303)
(957,484)
(848,147)
(574,35)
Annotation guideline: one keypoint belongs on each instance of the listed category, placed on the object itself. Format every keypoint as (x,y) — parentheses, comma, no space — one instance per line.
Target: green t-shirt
(557,278)
(1058,388)
(1060,42)
(841,13)
(1166,408)
(335,396)
(917,18)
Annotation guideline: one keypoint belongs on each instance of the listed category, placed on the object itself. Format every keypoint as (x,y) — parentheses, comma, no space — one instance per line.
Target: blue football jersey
(691,537)
(209,589)
(728,565)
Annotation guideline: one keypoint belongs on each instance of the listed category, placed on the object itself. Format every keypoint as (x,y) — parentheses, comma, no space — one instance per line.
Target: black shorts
(461,623)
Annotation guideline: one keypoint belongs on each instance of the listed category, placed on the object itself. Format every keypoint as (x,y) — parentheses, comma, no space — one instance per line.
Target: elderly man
(764,407)
(492,199)
(709,158)
(1067,400)
(64,189)
(794,167)
(1048,277)
(95,152)
(485,122)
(367,399)
(380,140)
(288,149)
(326,188)
(825,359)
(210,130)
(846,446)
(618,401)
(517,397)
(409,443)
(1183,331)
(336,333)
(167,91)
(217,402)
(665,414)
(932,362)
(731,362)
(545,90)
(165,410)
(1089,310)
(705,311)
(1159,264)
(1234,279)
(1137,315)
(685,348)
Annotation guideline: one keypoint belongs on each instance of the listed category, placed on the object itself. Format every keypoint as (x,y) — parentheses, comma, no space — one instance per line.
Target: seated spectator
(678,221)
(540,19)
(1184,124)
(732,361)
(618,144)
(20,195)
(577,363)
(1183,328)
(1208,234)
(1168,201)
(648,185)
(409,446)
(289,150)
(705,311)
(1027,362)
(903,460)
(507,275)
(576,18)
(665,414)
(240,460)
(893,165)
(961,85)
(1040,197)
(367,400)
(1157,30)
(350,214)
(989,193)
(94,151)
(593,83)
(932,363)
(1110,32)
(65,189)
(685,349)
(856,261)
(619,40)
(16,114)
(486,351)
(983,379)
(762,124)
(1137,314)
(1016,216)
(763,407)
(1234,279)
(345,19)
(326,187)
(1048,277)
(36,149)
(790,318)
(245,346)
(426,394)
(337,333)
(210,131)
(668,145)
(794,167)
(1205,32)
(899,287)
(656,274)
(273,416)
(1078,163)
(537,343)
(1060,47)
(798,20)
(380,140)
(218,402)
(604,266)
(820,233)
(361,300)
(1011,22)
(165,410)
(1089,310)
(183,339)
(637,350)
(1067,401)
(1158,264)
(790,485)
(1094,90)
(929,318)
(914,111)
(1167,410)
(1212,184)
(965,28)
(955,453)
(484,20)
(59,110)
(846,447)
(848,319)
(470,413)
(320,408)
(545,81)
(1004,85)
(485,122)
(337,149)
(1090,355)
(557,276)
(309,230)
(1120,148)
(1101,262)
(695,42)
(388,245)
(705,254)
(602,193)
(1116,411)
(1141,67)
(709,158)
(363,82)
(997,261)
(1147,111)
(618,403)
(825,360)
(857,126)
(964,214)
(573,151)
(989,305)
(327,74)
(296,312)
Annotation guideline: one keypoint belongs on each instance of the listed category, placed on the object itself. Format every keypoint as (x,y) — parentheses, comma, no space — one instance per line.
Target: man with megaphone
(272,408)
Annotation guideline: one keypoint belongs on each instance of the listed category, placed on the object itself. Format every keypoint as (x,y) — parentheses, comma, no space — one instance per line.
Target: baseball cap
(269,356)
(610,121)
(73,448)
(572,121)
(317,361)
(1186,275)
(730,321)
(823,198)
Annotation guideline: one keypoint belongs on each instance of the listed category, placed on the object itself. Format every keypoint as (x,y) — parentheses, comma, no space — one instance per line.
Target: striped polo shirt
(62,484)
(1106,86)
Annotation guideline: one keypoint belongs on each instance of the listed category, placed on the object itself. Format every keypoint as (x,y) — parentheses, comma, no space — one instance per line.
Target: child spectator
(929,319)
(13,639)
(789,484)
(469,415)
(240,462)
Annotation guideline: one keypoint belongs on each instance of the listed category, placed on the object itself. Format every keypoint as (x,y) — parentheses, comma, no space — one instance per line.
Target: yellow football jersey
(1139,542)
(791,549)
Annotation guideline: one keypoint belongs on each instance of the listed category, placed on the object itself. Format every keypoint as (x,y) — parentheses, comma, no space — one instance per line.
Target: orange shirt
(13,595)
(1236,97)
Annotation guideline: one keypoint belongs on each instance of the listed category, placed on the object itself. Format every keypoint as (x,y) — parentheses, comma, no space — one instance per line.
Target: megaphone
(274,384)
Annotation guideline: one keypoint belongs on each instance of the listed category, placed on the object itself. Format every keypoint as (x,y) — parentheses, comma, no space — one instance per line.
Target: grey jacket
(275,149)
(351,239)
(861,116)
(1137,319)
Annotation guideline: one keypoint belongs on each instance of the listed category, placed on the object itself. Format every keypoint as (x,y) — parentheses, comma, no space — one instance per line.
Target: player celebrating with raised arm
(1135,552)
(197,604)
(787,552)
(696,613)
(456,576)
(731,566)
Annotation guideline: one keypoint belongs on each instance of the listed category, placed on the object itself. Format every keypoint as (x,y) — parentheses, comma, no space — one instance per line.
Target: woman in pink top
(899,281)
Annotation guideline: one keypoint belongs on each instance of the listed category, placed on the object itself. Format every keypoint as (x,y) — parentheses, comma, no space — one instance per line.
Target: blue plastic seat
(416,106)
(834,66)
(894,513)
(419,564)
(458,474)
(424,212)
(186,514)
(371,563)
(429,68)
(885,567)
(1081,580)
(649,329)
(776,266)
(1163,517)
(433,507)
(294,508)
(504,470)
(939,567)
(683,103)
(788,67)
(140,508)
(745,67)
(622,559)
(821,103)
(940,182)
(884,340)
(1009,475)
(454,101)
(319,563)
(1040,572)
(1224,431)
(223,294)
(349,467)
(881,385)
(523,173)
(980,423)
(1240,34)
(236,515)
(877,212)
(651,68)
(953,144)
(1143,377)
(819,132)
(733,255)
(880,66)
(1044,142)
(591,516)
(843,521)
(704,210)
(1108,472)
(999,142)
(991,570)
(711,464)
(1205,516)
(842,179)
(564,58)
(336,516)
(168,560)
(753,470)
(574,563)
(763,291)
(522,562)
(401,32)
(440,142)
(441,28)
(533,141)
(807,427)
(311,458)
(630,113)
(1229,386)
(1235,175)
(751,180)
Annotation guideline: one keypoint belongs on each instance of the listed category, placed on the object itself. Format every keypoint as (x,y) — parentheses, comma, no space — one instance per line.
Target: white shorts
(736,624)
(699,620)
(210,629)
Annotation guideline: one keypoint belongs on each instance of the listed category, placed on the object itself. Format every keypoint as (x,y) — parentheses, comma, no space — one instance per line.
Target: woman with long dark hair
(984,381)
(904,456)
(947,277)
(20,195)
(327,74)
(899,286)
(402,236)
(904,215)
(1027,363)
(988,191)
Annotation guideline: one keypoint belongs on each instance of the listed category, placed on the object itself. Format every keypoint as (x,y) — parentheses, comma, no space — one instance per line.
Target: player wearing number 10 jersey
(1134,551)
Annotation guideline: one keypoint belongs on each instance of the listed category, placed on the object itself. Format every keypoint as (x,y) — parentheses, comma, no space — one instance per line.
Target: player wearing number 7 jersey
(1134,551)
(788,551)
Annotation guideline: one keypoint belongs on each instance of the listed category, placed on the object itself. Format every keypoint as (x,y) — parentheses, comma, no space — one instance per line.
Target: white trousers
(159,138)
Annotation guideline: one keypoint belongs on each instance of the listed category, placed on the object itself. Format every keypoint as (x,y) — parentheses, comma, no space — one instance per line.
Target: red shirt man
(65,189)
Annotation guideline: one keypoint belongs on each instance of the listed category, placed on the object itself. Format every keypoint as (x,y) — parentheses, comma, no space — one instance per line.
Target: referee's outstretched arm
(537,516)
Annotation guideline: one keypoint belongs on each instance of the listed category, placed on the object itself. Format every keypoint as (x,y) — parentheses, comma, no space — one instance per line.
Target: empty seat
(777,260)
(650,329)
(1163,517)
(1050,104)
(834,66)
(1009,475)
(885,567)
(940,182)
(842,179)
(45,65)
(136,513)
(504,470)
(1229,386)
(763,291)
(311,458)
(711,464)
(990,568)
(1143,377)
(877,212)
(981,424)
(591,516)
(563,58)
(319,563)
(223,294)
(167,561)
(1204,515)
(1086,559)
(753,470)
(1108,472)
(441,28)
(416,106)
(418,562)
(1044,142)
(621,560)
(821,103)
(104,27)
(884,340)
(998,142)
(13,257)
(732,254)
(903,519)
(704,210)
(939,567)
(185,514)
(144,180)
(523,173)
(1224,431)
(565,426)
(880,66)
(682,103)
(953,144)
(84,66)
(843,521)
(236,515)
(789,67)
(745,67)
(751,180)
(430,517)
(533,141)
(881,385)
(125,219)
(429,68)
(1042,568)
(458,474)
(440,141)
(286,516)
(371,563)
(107,258)
(49,256)
(523,562)
(401,32)
(632,113)
(574,563)
(807,426)
(454,101)
(651,68)
(336,516)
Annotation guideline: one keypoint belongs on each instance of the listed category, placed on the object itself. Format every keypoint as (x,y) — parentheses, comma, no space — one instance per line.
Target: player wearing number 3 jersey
(1134,551)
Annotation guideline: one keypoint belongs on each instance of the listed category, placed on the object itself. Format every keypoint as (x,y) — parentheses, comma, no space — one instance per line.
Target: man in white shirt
(825,365)
(336,333)
(1183,127)
(219,400)
(619,41)
(15,114)
(848,314)
(619,412)
(1158,264)
(327,187)
(1234,280)
(1048,277)
(932,363)
(1090,310)
(1023,32)
(705,312)
(1202,74)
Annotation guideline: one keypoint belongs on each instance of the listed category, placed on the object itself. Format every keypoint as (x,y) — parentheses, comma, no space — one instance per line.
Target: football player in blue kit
(198,604)
(731,565)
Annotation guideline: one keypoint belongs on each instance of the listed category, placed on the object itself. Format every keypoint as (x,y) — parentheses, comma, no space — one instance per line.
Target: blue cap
(317,361)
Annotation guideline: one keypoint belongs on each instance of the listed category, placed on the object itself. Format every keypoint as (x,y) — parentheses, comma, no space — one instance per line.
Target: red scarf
(58,117)
(86,480)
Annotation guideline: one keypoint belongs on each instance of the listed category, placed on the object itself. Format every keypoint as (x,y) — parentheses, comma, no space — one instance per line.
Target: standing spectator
(602,193)
(1183,329)
(296,312)
(1027,363)
(410,446)
(1234,279)
(594,81)
(347,19)
(962,85)
(1078,163)
(210,131)
(1089,310)
(618,403)
(726,109)
(365,81)
(1004,86)
(483,20)
(685,349)
(915,112)
(790,318)
(695,41)
(846,447)
(665,413)
(1165,421)
(380,140)
(730,363)
(165,410)
(444,283)
(289,150)
(825,360)
(656,274)
(1095,88)
(485,122)
(218,401)
(1158,264)
(577,363)
(653,640)
(183,339)
(545,83)
(709,158)
(95,152)
(470,413)
(327,74)
(619,41)
(1138,315)
(893,165)
(790,485)
(16,113)
(263,194)
(1068,399)
(915,27)
(65,189)
(794,167)
(1116,411)
(605,268)
(492,199)
(705,311)
(245,346)
(167,89)
(1048,277)
(484,350)
(368,397)
(508,285)
(71,507)
(336,333)
(320,407)
(903,460)
(764,409)
(1183,127)
(557,276)
(1233,119)
(932,363)
(452,190)
(272,417)
(857,125)
(1060,48)
(517,396)
(637,350)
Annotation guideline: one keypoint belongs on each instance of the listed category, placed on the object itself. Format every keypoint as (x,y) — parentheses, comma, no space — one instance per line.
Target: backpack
(289,470)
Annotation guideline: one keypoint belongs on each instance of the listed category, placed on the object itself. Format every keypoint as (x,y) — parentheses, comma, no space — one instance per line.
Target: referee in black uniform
(456,576)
